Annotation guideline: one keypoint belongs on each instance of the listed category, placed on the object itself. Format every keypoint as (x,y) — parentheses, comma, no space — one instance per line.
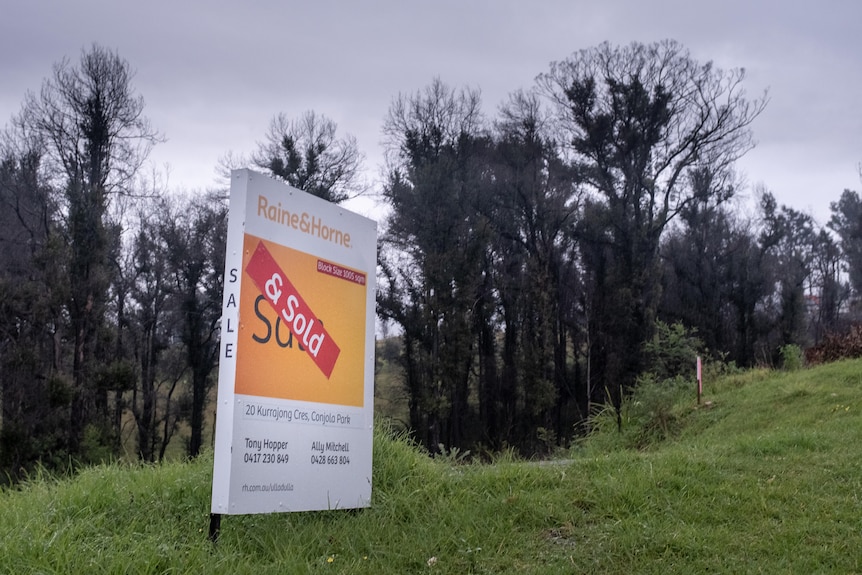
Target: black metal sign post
(215,526)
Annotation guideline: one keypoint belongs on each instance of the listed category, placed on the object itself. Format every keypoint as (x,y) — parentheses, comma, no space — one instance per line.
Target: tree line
(111,291)
(532,260)
(526,259)
(110,283)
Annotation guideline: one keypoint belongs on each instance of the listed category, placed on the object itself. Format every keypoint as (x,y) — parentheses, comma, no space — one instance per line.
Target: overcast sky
(213,73)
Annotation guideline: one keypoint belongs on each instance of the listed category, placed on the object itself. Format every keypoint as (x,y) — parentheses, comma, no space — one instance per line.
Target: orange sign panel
(301,326)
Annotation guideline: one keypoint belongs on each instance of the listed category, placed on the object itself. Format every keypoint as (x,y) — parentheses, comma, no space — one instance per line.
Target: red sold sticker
(292,308)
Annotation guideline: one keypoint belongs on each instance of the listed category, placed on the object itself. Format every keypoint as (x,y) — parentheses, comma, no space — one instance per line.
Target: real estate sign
(295,392)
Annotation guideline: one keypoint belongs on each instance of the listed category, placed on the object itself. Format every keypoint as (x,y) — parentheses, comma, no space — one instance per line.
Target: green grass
(765,479)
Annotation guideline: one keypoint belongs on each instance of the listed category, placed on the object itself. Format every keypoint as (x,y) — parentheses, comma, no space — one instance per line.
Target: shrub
(791,357)
(652,408)
(836,346)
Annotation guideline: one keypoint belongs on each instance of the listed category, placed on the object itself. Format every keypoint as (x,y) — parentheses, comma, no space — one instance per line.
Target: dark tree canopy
(91,122)
(435,145)
(307,154)
(95,137)
(639,120)
(847,223)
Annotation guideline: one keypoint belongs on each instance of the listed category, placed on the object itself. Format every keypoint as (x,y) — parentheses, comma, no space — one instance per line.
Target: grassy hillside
(767,478)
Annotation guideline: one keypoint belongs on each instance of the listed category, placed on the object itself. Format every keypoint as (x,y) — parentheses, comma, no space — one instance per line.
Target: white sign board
(295,392)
